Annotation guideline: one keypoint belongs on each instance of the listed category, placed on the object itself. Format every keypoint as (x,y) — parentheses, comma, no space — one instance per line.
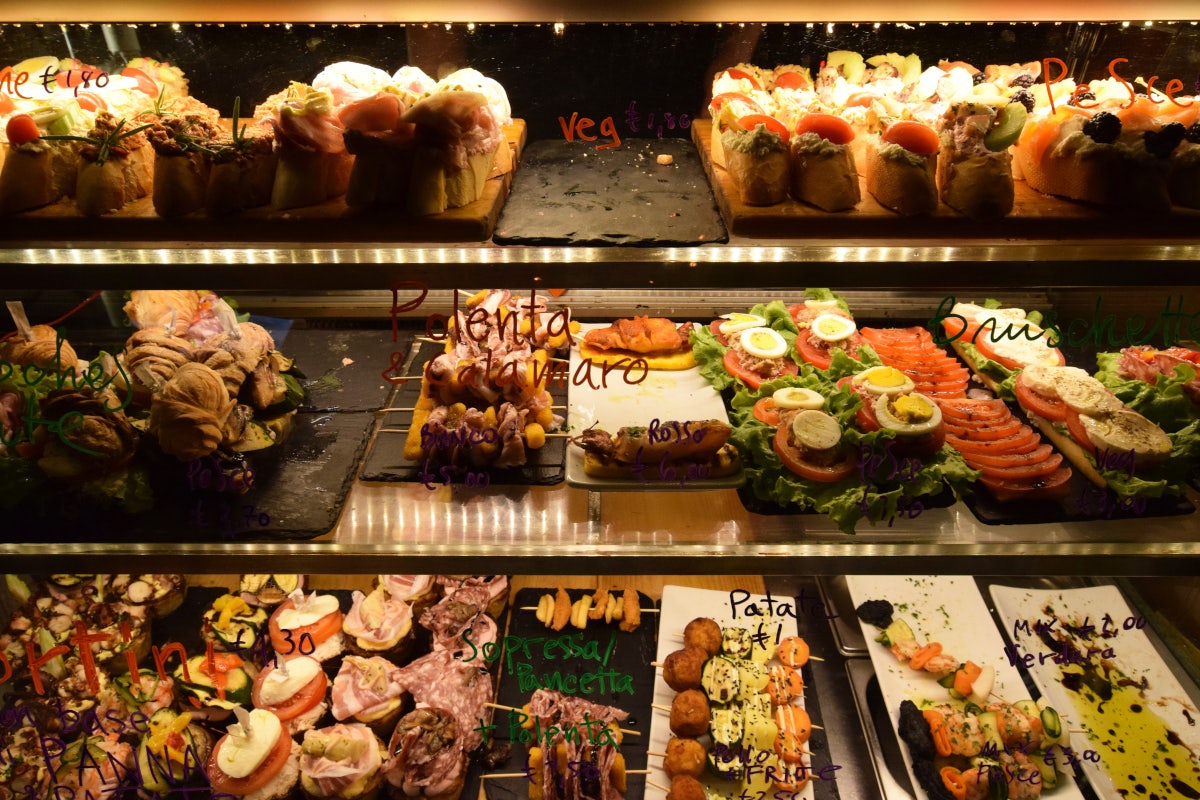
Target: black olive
(1103,128)
(1163,142)
(1025,98)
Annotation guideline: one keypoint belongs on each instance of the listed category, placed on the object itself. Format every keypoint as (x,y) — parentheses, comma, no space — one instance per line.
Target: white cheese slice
(307,611)
(249,743)
(282,684)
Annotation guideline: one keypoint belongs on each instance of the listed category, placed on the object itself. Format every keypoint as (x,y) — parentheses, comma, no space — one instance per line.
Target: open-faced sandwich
(659,342)
(681,449)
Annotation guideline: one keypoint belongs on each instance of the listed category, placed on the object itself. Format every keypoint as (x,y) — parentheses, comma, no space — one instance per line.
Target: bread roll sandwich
(384,148)
(472,80)
(901,167)
(313,162)
(457,139)
(37,170)
(736,92)
(824,173)
(181,163)
(117,166)
(756,156)
(256,759)
(974,170)
(241,167)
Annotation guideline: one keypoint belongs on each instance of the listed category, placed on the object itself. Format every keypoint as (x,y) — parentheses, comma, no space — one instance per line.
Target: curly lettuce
(881,488)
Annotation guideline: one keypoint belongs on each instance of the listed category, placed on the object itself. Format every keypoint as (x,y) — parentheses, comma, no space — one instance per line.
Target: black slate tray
(330,384)
(570,193)
(385,459)
(631,655)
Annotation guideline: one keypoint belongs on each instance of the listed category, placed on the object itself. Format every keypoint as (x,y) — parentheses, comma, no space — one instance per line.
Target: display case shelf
(746,264)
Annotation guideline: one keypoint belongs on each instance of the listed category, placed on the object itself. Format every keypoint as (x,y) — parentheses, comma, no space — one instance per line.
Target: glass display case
(351,295)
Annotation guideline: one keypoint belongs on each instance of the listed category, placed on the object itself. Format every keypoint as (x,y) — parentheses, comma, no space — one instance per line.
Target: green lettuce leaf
(710,357)
(1164,402)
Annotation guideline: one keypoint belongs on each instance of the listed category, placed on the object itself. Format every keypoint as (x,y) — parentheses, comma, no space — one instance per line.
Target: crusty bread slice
(980,186)
(180,184)
(1104,175)
(906,186)
(761,180)
(826,178)
(32,177)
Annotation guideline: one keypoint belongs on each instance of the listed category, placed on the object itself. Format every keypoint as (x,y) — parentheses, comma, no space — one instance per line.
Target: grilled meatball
(683,668)
(689,713)
(704,633)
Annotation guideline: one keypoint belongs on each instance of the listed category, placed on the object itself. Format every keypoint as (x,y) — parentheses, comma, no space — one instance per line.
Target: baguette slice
(900,179)
(243,182)
(980,186)
(824,174)
(180,183)
(37,174)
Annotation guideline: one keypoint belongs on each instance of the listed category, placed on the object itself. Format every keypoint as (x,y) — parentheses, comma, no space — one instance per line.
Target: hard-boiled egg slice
(763,342)
(739,322)
(1127,431)
(887,381)
(908,414)
(797,397)
(833,327)
(816,430)
(821,305)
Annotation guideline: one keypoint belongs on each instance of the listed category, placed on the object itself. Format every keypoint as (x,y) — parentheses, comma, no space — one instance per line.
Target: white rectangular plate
(1136,657)
(949,610)
(680,605)
(664,395)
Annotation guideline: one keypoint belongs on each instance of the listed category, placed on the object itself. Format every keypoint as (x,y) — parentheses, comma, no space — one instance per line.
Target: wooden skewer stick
(547,435)
(626,731)
(505,775)
(386,410)
(658,786)
(659,755)
(644,610)
(637,772)
(660,706)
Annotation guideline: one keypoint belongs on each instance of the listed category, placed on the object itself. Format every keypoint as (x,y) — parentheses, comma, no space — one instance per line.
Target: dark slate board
(329,384)
(631,655)
(385,459)
(570,193)
(299,492)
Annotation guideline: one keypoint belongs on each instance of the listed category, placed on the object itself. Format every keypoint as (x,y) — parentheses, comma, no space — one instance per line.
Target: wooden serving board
(332,220)
(1034,215)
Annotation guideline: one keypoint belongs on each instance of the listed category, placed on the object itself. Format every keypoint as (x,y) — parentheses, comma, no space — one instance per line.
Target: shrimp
(965,735)
(941,665)
(904,649)
(1017,729)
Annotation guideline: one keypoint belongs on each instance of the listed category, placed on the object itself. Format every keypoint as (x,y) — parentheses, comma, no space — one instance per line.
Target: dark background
(594,69)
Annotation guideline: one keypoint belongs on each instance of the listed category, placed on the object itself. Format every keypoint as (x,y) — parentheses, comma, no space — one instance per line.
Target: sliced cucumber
(1051,725)
(989,725)
(736,642)
(725,726)
(898,631)
(1007,129)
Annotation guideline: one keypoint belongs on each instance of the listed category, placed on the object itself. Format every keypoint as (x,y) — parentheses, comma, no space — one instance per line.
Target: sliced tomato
(865,415)
(733,365)
(998,430)
(289,643)
(816,355)
(794,460)
(1006,460)
(860,99)
(971,409)
(1052,486)
(307,698)
(985,338)
(752,121)
(1078,434)
(766,411)
(715,327)
(793,80)
(1023,471)
(70,78)
(1031,400)
(1023,442)
(21,129)
(914,137)
(720,100)
(827,126)
(922,446)
(260,777)
(90,101)
(742,75)
(145,84)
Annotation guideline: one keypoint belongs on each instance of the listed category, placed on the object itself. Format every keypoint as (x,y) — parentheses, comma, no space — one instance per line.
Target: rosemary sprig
(105,143)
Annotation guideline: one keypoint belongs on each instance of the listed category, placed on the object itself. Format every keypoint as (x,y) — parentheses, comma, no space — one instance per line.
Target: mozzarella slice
(833,327)
(763,343)
(796,397)
(908,414)
(1088,396)
(737,321)
(878,381)
(1044,379)
(1127,431)
(816,430)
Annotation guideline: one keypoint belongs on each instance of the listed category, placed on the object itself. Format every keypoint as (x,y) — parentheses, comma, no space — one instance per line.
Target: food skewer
(644,610)
(626,731)
(661,707)
(658,786)
(526,774)
(680,636)
(549,435)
